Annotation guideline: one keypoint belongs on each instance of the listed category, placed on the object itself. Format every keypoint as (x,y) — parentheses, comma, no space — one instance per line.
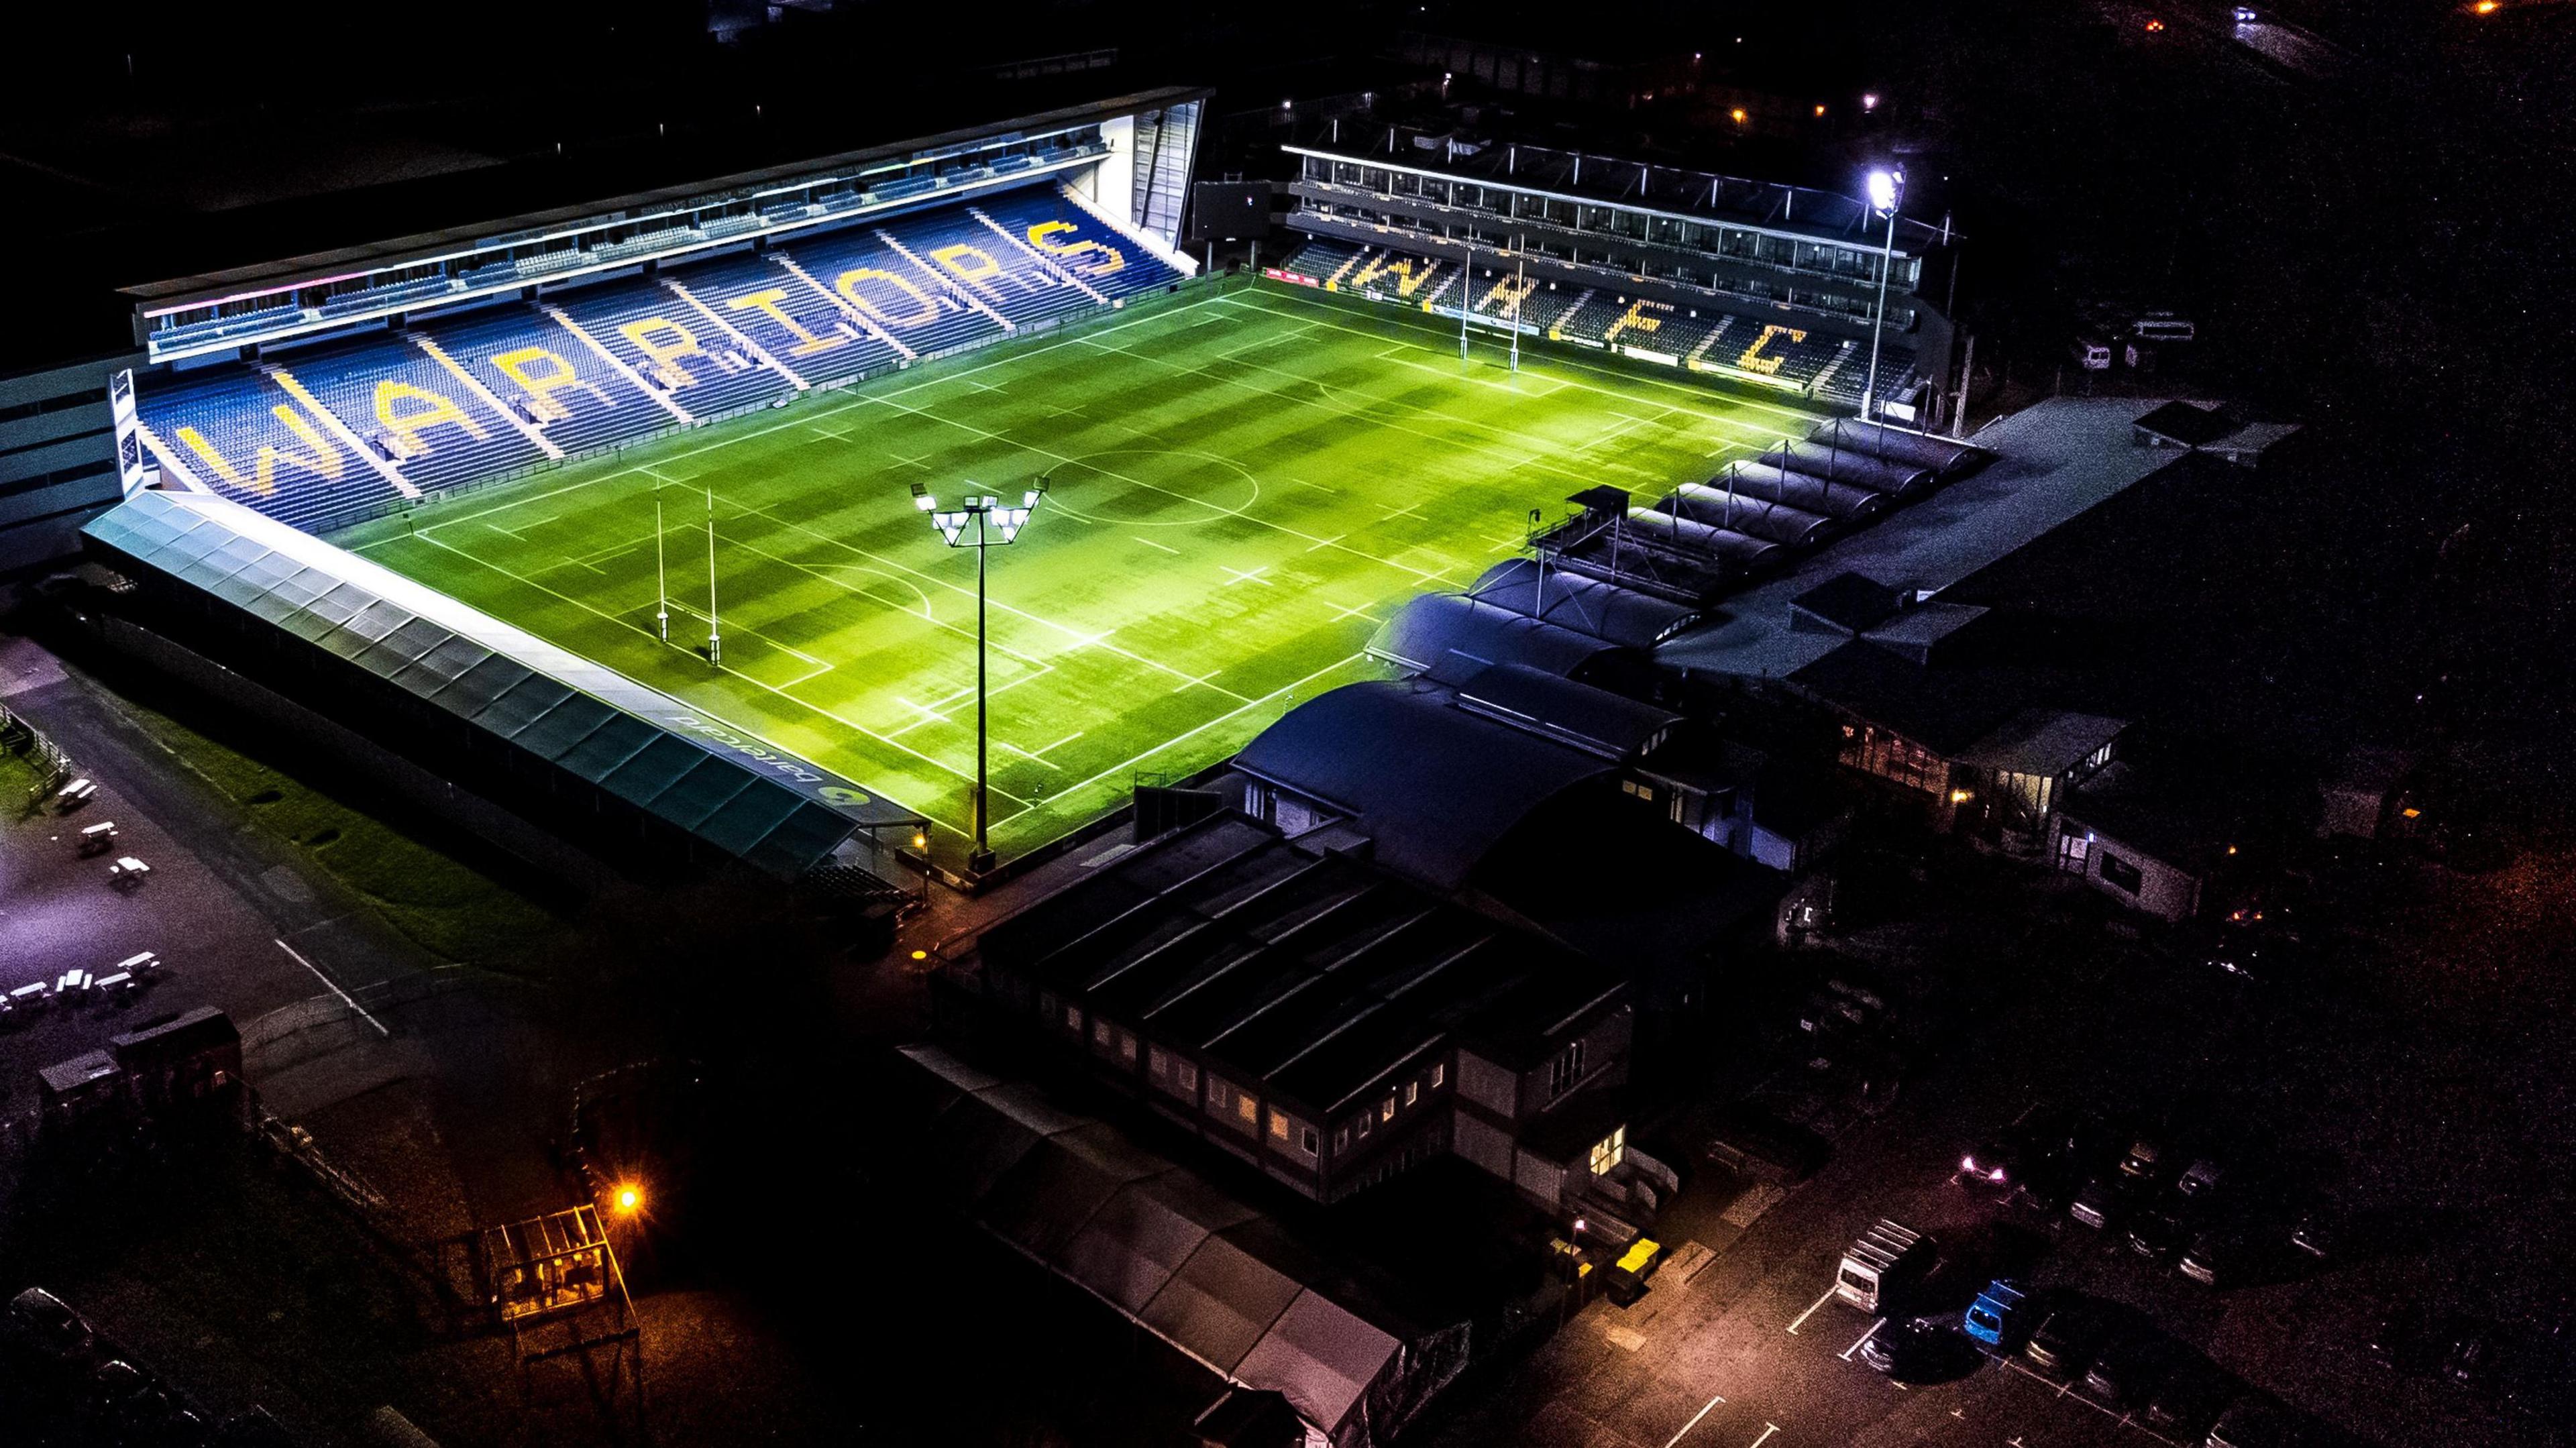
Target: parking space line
(345,999)
(1810,1312)
(1713,1401)
(1864,1337)
(1768,1428)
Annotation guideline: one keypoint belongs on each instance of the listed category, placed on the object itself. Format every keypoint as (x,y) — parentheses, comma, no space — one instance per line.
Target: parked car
(2066,1340)
(2098,1203)
(2190,1400)
(45,1325)
(2216,1258)
(2127,1369)
(2200,1179)
(2155,1233)
(2000,1314)
(1915,1349)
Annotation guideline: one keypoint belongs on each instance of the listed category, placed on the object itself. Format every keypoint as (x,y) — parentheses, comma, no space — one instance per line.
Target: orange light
(1820,110)
(1738,114)
(2486,7)
(2156,25)
(1959,796)
(629,1201)
(921,955)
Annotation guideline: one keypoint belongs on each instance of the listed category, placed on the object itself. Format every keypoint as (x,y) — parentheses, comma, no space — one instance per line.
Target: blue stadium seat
(558,385)
(1081,243)
(671,347)
(414,412)
(786,315)
(223,426)
(912,305)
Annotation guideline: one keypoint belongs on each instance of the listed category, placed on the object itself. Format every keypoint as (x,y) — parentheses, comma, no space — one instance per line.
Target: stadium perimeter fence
(1185,290)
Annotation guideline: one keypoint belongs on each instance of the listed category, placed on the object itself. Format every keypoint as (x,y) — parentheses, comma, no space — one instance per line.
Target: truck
(1889,1260)
(2000,1315)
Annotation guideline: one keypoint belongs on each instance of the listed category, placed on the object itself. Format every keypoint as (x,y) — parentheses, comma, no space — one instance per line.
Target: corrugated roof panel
(606,738)
(742,794)
(705,787)
(643,774)
(742,822)
(808,834)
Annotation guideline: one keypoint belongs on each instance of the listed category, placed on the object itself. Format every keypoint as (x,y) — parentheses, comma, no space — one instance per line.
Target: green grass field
(1245,485)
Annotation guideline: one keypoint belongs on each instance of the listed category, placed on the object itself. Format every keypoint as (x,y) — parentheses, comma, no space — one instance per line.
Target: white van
(2091,353)
(1888,1260)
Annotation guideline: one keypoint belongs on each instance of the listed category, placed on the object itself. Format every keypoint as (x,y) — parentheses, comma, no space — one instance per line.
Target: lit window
(1609,1152)
(1565,1070)
(1386,1109)
(1126,1046)
(1073,1019)
(1099,1032)
(1278,1126)
(1366,1121)
(1439,1073)
(1247,1108)
(1188,1074)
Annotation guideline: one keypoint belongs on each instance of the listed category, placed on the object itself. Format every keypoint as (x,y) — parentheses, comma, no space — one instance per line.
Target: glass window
(1386,1109)
(1609,1152)
(1246,1109)
(1306,1140)
(1187,1074)
(1073,1019)
(1278,1126)
(1412,1092)
(1439,1073)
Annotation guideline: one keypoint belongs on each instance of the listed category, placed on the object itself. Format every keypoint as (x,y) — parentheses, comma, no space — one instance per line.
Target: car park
(2065,1341)
(2469,1353)
(2200,1179)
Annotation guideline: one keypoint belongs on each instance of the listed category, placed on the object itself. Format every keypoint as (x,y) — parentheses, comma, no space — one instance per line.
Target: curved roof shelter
(1824,458)
(1945,456)
(1842,501)
(1435,786)
(635,746)
(1743,513)
(1429,630)
(1595,606)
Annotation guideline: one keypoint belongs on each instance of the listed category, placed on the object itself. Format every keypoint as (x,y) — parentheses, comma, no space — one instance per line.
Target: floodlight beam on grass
(990,518)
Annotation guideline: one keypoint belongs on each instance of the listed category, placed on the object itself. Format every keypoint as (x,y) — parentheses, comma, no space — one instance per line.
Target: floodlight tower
(1886,195)
(990,519)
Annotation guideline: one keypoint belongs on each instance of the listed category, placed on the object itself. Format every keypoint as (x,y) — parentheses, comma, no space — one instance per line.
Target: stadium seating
(1081,244)
(668,344)
(909,303)
(786,315)
(412,411)
(557,385)
(1321,258)
(238,433)
(276,437)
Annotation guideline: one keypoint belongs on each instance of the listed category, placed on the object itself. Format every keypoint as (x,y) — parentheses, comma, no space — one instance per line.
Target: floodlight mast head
(1886,189)
(921,498)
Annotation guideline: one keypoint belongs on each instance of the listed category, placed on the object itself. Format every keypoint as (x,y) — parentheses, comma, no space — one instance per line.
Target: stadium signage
(793,769)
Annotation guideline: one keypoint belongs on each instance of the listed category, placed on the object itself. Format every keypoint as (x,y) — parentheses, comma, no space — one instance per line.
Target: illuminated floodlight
(921,498)
(1884,189)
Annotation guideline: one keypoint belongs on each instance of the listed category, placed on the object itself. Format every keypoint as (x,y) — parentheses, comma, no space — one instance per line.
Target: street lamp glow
(629,1201)
(1882,191)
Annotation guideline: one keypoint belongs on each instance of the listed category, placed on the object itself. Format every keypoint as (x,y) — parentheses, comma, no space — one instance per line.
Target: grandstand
(1248,483)
(1762,284)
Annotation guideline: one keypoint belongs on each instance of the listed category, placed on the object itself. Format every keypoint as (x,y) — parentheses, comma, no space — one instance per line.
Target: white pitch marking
(1694,1422)
(1252,577)
(1864,1337)
(1811,1311)
(1326,542)
(1150,543)
(345,998)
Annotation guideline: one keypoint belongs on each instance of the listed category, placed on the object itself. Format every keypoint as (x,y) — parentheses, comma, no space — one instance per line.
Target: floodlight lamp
(1882,191)
(921,498)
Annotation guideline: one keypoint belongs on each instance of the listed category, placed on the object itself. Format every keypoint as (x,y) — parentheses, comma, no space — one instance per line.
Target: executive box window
(1306,1140)
(2121,874)
(1608,1152)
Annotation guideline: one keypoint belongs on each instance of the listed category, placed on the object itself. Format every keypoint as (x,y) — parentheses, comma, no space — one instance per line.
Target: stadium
(614,508)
